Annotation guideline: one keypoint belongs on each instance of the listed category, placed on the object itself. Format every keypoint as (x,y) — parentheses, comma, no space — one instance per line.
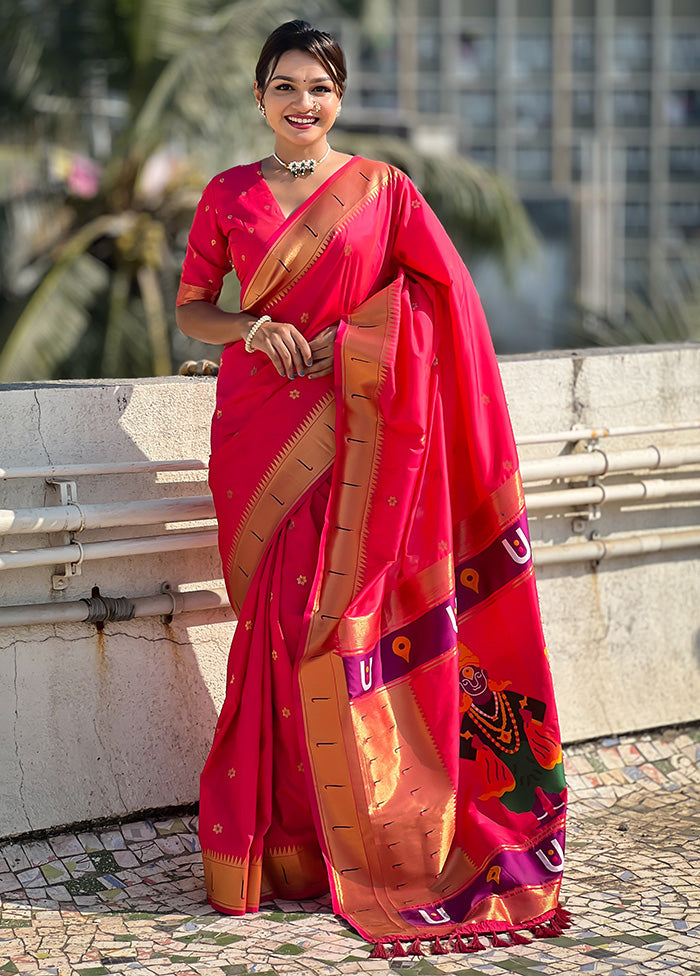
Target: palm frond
(674,316)
(57,314)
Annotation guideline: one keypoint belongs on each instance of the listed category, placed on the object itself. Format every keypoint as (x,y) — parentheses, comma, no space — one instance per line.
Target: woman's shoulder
(235,180)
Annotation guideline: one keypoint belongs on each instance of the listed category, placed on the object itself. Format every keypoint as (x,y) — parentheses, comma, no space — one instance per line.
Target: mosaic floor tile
(128,900)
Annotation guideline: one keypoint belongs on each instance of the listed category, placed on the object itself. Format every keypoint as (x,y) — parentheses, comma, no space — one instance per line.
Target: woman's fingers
(321,367)
(285,346)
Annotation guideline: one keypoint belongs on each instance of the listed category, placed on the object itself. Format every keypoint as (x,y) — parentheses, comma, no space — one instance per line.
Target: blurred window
(633,8)
(476,56)
(533,111)
(428,43)
(486,155)
(430,99)
(685,52)
(684,216)
(684,162)
(583,109)
(478,108)
(378,97)
(636,218)
(379,56)
(583,49)
(533,163)
(637,162)
(683,107)
(634,271)
(632,108)
(534,8)
(576,163)
(533,54)
(477,8)
(631,49)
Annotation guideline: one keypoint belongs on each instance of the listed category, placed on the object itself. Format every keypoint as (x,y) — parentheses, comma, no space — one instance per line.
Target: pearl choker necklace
(301,167)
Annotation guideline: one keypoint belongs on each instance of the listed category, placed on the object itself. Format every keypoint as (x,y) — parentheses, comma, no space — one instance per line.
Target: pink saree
(389,730)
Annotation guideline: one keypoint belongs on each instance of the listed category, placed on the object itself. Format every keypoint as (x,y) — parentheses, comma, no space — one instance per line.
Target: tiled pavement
(129,899)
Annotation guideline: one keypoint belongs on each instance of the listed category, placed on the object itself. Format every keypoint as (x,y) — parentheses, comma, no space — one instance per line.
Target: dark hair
(298,35)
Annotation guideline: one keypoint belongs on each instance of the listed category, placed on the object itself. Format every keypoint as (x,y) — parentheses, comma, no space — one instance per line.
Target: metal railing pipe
(636,491)
(76,611)
(595,433)
(597,462)
(78,552)
(76,517)
(118,467)
(595,550)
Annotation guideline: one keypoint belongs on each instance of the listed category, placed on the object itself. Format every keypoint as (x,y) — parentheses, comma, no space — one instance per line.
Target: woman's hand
(322,351)
(288,350)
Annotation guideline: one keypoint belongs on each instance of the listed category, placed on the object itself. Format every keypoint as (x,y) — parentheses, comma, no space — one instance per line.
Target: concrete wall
(102,724)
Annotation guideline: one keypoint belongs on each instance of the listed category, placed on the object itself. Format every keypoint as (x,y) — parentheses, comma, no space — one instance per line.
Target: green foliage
(672,316)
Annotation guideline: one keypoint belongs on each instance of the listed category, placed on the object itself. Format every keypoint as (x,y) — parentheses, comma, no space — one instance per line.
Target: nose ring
(315,107)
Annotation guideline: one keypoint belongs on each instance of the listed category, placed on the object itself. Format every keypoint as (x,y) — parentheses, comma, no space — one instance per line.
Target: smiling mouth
(301,119)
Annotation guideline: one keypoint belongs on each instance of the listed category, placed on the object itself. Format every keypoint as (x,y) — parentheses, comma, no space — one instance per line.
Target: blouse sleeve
(206,260)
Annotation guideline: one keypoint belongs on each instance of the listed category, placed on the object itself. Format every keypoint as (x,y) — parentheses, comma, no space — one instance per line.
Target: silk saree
(389,731)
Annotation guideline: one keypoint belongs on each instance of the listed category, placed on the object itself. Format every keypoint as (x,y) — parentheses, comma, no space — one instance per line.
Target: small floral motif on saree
(301,580)
(249,625)
(217,828)
(392,500)
(286,713)
(304,317)
(294,394)
(231,773)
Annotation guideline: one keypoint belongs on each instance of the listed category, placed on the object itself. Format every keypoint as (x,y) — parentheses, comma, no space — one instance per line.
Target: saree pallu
(389,730)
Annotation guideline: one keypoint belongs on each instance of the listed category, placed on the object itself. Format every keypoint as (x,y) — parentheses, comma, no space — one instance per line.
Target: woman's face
(300,100)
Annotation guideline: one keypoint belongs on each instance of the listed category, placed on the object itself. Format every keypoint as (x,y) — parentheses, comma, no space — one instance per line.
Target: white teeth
(299,118)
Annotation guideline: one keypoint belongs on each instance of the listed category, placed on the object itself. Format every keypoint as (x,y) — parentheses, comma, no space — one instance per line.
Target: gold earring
(261,109)
(337,111)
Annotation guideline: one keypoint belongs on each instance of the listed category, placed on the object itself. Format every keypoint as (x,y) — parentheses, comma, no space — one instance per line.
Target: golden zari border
(228,880)
(195,293)
(337,776)
(302,460)
(295,872)
(307,237)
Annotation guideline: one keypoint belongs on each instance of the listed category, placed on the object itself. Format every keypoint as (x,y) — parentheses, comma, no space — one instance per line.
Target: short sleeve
(206,260)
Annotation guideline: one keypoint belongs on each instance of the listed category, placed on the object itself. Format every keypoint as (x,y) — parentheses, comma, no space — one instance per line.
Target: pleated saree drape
(389,730)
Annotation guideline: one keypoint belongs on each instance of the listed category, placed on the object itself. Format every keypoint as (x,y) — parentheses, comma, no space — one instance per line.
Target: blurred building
(591,107)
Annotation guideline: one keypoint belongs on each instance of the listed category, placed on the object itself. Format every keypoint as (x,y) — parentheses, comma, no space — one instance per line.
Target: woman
(374,544)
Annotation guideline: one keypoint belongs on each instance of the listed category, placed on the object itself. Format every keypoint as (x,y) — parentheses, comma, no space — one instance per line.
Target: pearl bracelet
(253,329)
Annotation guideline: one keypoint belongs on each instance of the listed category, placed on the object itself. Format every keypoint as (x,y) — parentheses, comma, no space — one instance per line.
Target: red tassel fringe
(438,949)
(475,945)
(553,927)
(379,952)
